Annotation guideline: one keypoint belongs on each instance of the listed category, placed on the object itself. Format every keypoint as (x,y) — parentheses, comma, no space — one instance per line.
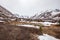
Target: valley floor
(29,32)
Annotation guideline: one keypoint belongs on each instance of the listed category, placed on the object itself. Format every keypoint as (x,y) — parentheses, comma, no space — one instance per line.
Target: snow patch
(45,23)
(29,26)
(46,37)
(1,21)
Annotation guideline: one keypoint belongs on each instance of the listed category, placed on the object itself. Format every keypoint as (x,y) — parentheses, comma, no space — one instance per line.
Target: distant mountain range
(48,15)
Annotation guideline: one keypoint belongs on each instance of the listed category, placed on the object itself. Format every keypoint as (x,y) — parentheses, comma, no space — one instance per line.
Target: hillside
(5,14)
(48,15)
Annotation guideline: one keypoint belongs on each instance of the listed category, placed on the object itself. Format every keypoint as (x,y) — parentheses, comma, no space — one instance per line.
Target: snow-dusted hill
(5,13)
(47,15)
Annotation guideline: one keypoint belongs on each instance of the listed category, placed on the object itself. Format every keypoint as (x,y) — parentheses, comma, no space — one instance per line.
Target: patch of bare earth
(10,32)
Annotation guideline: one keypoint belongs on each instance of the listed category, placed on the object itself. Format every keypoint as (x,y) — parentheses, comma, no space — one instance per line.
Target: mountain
(4,14)
(48,15)
(23,16)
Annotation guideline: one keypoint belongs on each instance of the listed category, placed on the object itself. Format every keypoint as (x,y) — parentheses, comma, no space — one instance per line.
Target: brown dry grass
(11,32)
(52,30)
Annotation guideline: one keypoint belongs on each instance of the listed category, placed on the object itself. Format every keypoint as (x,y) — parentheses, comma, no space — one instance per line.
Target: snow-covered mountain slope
(47,15)
(5,13)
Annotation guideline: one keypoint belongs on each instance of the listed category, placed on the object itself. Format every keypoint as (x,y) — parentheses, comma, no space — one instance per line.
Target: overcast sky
(29,7)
